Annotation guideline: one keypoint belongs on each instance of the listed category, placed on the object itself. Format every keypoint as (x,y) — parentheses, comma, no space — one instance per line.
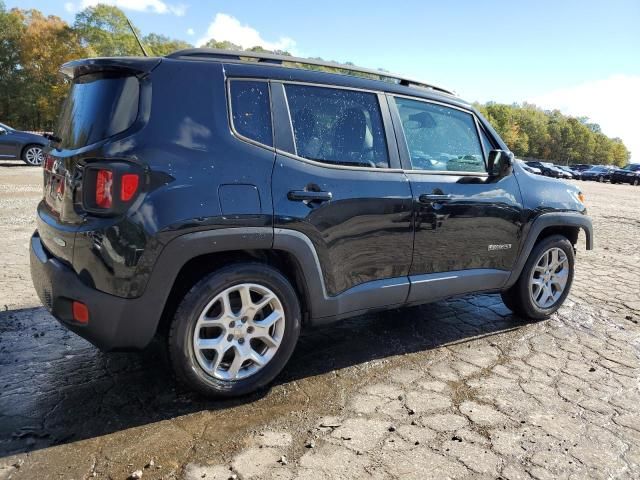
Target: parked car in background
(529,169)
(18,145)
(568,173)
(578,168)
(546,168)
(629,174)
(599,173)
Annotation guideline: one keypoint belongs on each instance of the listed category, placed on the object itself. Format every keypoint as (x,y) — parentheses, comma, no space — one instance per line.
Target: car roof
(287,68)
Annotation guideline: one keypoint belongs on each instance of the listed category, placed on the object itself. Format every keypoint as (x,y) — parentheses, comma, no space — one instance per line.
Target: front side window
(342,127)
(486,143)
(440,138)
(251,110)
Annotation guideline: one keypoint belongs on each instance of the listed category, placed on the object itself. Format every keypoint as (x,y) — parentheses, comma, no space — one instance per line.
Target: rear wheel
(545,280)
(601,179)
(636,182)
(235,330)
(33,155)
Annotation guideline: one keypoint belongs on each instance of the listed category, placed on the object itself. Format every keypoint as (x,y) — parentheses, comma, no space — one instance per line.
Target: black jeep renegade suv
(226,200)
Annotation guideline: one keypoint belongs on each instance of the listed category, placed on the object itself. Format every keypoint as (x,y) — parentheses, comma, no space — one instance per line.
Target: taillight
(48,162)
(109,187)
(128,186)
(104,189)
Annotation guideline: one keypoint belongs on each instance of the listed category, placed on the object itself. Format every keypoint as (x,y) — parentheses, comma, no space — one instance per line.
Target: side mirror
(500,163)
(2,131)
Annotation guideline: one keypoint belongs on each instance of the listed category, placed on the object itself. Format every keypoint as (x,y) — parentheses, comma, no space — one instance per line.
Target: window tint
(440,138)
(337,126)
(98,106)
(251,110)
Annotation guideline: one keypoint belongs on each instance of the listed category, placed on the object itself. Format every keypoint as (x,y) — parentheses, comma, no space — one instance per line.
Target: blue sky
(580,56)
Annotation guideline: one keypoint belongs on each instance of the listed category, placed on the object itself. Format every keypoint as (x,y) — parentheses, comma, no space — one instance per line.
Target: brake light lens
(104,188)
(48,162)
(128,186)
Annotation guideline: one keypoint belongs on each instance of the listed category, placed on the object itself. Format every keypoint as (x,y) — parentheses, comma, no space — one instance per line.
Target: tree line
(33,46)
(531,132)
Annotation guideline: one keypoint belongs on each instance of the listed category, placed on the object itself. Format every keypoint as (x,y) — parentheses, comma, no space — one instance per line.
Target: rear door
(467,224)
(337,181)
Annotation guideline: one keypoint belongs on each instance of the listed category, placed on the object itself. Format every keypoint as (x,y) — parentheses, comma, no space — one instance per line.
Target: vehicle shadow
(57,388)
(14,163)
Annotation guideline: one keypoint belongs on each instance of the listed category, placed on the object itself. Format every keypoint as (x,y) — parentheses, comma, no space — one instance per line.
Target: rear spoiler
(138,66)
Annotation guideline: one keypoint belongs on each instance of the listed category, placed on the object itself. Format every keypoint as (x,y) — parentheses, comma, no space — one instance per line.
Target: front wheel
(545,280)
(235,330)
(33,155)
(636,182)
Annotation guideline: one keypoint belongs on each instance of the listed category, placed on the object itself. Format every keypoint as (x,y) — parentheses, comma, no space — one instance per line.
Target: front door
(341,186)
(8,144)
(467,224)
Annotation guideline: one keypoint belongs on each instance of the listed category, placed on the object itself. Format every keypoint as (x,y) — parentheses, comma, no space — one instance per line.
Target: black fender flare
(546,220)
(180,250)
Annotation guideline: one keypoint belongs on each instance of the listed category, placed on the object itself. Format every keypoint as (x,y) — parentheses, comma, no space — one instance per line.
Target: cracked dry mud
(457,389)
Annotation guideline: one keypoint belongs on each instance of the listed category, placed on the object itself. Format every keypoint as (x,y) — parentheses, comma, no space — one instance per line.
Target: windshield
(597,169)
(5,126)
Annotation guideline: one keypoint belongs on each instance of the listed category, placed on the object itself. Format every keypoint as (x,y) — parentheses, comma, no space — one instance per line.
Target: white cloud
(613,103)
(154,6)
(226,27)
(191,31)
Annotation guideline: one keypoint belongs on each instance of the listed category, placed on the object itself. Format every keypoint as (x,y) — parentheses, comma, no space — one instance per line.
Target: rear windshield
(98,107)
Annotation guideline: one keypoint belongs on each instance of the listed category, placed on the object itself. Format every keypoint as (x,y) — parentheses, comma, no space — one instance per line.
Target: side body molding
(546,220)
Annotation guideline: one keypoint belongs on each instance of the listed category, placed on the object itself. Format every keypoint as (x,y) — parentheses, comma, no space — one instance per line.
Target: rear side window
(439,137)
(98,107)
(251,110)
(342,127)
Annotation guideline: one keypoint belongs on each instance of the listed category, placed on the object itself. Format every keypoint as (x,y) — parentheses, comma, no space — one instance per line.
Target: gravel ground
(457,389)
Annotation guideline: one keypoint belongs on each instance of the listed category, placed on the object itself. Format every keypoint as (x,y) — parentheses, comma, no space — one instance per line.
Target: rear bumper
(114,323)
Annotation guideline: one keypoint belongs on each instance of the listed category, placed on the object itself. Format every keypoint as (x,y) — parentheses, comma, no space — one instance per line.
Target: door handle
(426,198)
(308,195)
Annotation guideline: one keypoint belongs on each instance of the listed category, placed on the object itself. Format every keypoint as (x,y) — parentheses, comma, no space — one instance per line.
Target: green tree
(161,45)
(12,79)
(104,30)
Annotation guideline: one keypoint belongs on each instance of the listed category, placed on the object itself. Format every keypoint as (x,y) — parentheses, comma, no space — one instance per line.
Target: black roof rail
(239,56)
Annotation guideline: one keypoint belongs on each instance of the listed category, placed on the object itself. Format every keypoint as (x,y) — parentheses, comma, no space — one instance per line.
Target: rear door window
(98,106)
(337,126)
(251,110)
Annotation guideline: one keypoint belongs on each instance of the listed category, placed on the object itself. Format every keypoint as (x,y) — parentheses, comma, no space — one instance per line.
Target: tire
(519,298)
(231,328)
(601,179)
(636,182)
(33,155)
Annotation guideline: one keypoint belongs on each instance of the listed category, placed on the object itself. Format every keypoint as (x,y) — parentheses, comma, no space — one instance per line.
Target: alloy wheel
(549,278)
(34,156)
(239,331)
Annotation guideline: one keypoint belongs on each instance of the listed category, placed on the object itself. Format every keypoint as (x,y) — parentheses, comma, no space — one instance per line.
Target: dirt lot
(458,389)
